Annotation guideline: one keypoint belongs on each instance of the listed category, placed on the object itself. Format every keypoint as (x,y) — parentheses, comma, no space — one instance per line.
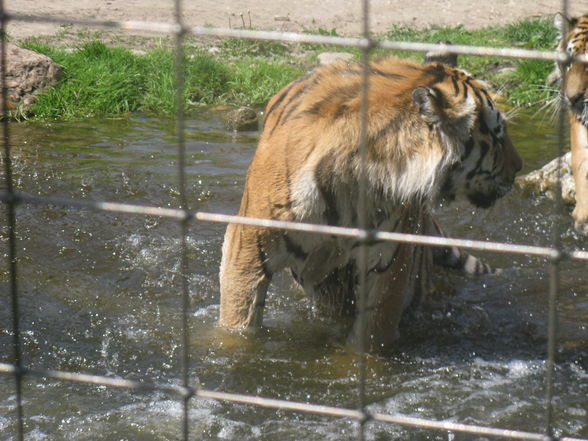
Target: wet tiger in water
(433,133)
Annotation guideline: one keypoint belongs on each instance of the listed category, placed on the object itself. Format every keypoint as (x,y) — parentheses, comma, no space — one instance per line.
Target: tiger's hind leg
(389,293)
(244,277)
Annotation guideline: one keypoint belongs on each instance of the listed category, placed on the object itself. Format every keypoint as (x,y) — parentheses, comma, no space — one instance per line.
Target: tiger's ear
(427,101)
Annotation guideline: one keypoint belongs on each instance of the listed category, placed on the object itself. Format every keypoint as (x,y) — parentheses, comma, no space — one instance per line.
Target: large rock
(544,180)
(28,73)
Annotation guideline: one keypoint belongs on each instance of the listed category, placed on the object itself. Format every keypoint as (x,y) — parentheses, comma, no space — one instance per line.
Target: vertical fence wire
(184,223)
(11,225)
(554,262)
(362,263)
(186,392)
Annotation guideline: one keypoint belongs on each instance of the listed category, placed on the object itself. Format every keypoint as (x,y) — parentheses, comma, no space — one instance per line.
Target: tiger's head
(485,161)
(575,43)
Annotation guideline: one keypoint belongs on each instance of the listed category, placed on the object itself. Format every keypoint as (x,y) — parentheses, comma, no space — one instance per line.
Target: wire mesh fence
(184,216)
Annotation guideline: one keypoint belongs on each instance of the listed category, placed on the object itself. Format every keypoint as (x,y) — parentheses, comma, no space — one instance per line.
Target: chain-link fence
(186,391)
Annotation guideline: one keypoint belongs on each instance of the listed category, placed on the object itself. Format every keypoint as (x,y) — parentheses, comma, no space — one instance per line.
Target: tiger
(433,133)
(575,97)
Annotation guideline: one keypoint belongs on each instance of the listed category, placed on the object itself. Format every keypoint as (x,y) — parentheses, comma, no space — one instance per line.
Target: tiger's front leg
(244,278)
(390,291)
(579,146)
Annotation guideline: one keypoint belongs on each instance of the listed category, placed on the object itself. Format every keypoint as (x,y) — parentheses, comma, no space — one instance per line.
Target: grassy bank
(105,80)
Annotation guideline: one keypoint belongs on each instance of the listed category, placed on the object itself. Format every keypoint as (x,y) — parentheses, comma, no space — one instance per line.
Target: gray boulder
(544,180)
(28,74)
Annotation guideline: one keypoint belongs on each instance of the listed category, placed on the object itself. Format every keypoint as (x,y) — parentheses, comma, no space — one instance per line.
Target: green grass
(254,81)
(105,80)
(102,80)
(521,81)
(205,81)
(240,47)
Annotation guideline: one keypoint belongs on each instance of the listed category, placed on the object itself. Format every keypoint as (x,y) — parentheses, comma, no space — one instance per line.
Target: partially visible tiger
(433,133)
(575,42)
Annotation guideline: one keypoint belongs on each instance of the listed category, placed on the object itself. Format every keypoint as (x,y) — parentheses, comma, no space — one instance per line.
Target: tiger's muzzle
(578,105)
(575,94)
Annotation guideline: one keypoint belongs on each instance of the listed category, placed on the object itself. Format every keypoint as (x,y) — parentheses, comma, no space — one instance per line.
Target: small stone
(242,119)
(331,57)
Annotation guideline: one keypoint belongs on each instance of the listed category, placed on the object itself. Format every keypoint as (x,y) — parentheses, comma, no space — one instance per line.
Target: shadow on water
(100,293)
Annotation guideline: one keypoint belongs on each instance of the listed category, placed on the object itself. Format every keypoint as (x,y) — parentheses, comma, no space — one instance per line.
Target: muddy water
(100,293)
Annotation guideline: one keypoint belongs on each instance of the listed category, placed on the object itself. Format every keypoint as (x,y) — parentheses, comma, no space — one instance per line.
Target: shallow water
(100,293)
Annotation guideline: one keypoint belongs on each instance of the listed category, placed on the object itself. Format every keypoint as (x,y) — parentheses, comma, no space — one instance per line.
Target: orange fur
(575,42)
(433,133)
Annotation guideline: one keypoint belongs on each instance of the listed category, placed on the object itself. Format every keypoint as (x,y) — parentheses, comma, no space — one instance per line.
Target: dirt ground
(290,15)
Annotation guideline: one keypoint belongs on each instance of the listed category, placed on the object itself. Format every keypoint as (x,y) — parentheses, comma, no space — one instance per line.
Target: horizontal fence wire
(294,37)
(97,380)
(355,233)
(12,198)
(272,403)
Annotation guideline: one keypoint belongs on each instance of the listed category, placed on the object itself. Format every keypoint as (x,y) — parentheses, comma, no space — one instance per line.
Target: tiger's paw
(580,220)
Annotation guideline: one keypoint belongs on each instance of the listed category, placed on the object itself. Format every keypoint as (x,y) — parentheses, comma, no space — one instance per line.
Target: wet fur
(433,133)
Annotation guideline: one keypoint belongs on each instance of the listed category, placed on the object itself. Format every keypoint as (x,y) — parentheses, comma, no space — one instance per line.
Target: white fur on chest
(312,257)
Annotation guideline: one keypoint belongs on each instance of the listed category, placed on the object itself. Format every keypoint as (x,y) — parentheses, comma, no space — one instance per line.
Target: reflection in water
(100,293)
